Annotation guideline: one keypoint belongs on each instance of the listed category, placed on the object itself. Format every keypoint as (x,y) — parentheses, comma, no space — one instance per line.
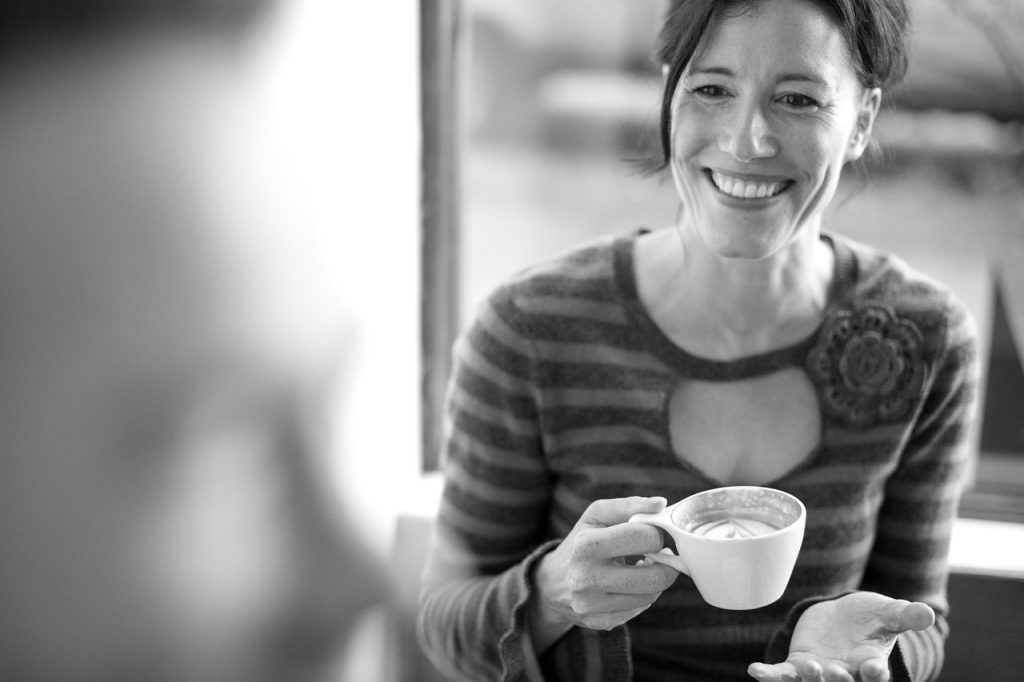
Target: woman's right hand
(585,581)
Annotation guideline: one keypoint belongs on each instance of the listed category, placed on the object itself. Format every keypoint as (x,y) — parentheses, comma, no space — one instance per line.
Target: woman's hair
(875,32)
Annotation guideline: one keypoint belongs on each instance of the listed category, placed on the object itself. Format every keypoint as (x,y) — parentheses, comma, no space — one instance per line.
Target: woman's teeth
(742,189)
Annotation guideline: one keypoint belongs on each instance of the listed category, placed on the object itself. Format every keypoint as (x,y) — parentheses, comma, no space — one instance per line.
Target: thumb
(917,616)
(604,513)
(903,615)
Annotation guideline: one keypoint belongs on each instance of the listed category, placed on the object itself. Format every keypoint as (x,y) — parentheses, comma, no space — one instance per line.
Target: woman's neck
(724,308)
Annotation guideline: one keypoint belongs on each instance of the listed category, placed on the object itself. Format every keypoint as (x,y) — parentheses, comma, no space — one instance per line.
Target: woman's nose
(747,135)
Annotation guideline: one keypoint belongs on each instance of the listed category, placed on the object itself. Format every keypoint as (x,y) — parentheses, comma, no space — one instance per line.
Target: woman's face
(765,115)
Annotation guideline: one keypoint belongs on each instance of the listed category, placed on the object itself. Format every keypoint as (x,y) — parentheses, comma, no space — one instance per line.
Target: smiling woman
(763,118)
(746,343)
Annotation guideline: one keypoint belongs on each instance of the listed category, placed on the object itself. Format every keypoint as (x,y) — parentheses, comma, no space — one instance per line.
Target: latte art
(730,528)
(739,544)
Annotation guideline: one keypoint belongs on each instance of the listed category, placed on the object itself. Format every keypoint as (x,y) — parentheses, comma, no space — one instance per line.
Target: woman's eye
(798,101)
(713,91)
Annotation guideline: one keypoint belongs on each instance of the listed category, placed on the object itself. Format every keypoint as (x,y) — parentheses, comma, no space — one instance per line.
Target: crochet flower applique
(867,365)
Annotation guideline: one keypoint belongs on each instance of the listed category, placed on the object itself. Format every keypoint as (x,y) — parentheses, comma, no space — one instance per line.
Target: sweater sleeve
(910,556)
(490,526)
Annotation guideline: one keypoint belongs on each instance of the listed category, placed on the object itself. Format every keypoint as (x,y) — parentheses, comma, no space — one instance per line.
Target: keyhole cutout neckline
(690,367)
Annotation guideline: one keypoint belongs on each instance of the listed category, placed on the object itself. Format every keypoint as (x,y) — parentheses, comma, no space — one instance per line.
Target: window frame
(442,41)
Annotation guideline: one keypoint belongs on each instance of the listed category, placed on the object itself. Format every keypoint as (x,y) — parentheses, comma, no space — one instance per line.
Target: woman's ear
(867,110)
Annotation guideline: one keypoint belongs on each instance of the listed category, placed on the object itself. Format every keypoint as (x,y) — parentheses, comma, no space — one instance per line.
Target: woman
(744,345)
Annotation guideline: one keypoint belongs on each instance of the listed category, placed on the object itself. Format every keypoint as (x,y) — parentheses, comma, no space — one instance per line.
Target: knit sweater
(559,398)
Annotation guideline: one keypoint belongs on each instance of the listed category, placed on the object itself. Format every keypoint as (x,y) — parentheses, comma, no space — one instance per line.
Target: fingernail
(655,500)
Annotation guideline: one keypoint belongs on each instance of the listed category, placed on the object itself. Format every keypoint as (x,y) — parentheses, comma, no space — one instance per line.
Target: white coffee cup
(739,543)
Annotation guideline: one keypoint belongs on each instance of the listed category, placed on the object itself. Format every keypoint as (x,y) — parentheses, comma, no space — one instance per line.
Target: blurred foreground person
(167,353)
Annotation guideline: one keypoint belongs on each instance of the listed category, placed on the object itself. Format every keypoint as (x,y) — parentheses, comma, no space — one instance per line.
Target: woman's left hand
(846,639)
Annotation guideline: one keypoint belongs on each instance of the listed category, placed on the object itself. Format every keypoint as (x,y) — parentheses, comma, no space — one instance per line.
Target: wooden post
(441,41)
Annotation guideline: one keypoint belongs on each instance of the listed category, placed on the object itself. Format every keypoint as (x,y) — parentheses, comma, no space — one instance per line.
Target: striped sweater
(559,398)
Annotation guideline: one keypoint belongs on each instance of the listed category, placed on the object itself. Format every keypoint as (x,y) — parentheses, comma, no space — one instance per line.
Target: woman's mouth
(746,188)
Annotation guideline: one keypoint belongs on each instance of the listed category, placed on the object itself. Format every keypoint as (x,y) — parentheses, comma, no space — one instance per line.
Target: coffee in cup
(739,544)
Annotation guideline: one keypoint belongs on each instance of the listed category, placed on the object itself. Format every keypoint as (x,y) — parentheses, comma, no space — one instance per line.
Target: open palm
(846,639)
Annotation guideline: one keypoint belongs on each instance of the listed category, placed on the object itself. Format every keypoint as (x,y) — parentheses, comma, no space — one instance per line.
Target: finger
(628,539)
(605,513)
(809,671)
(653,579)
(916,616)
(667,558)
(611,619)
(630,615)
(602,621)
(608,546)
(834,672)
(780,672)
(901,615)
(874,670)
(617,603)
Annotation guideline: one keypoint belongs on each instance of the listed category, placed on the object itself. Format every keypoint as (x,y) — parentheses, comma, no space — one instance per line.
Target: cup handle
(663,520)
